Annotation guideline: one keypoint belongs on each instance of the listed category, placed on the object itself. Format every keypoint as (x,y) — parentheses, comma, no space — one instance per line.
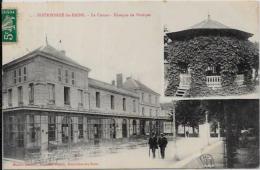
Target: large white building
(49,101)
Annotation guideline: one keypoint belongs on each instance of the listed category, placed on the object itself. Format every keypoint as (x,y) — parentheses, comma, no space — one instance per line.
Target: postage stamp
(9,29)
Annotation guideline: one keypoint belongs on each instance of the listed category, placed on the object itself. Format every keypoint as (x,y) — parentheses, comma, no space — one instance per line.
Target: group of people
(154,142)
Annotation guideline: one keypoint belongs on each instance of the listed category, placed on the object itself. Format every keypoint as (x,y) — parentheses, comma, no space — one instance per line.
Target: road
(132,155)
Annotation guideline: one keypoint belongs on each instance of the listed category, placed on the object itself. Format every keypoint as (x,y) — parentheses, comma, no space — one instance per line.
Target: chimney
(128,78)
(113,82)
(119,80)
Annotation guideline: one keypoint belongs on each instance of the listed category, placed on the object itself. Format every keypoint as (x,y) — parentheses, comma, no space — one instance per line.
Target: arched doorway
(67,129)
(113,129)
(134,127)
(124,128)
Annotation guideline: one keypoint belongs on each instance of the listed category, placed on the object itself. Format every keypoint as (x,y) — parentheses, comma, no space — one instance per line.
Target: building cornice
(86,112)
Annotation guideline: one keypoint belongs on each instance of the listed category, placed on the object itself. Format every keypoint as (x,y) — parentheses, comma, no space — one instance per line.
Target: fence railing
(211,81)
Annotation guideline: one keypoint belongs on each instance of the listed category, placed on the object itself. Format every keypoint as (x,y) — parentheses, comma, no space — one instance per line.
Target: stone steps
(181,92)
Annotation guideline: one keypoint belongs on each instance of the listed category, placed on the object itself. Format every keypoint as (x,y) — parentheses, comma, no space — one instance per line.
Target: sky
(129,45)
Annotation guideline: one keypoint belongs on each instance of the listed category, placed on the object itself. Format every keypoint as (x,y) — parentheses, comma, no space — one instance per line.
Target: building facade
(49,101)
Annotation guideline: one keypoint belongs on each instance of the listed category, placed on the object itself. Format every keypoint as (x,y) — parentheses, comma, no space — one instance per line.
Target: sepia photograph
(211,53)
(130,85)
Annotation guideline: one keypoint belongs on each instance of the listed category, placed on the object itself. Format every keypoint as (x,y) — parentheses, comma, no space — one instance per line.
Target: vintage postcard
(130,84)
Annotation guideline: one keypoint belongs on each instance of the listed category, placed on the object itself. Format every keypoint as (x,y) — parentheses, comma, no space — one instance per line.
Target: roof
(109,87)
(208,26)
(56,53)
(133,84)
(49,52)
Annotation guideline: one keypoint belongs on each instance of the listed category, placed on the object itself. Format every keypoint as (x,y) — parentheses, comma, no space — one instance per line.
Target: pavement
(181,154)
(216,150)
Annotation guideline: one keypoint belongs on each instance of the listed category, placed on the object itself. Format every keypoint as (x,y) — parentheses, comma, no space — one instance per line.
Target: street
(133,155)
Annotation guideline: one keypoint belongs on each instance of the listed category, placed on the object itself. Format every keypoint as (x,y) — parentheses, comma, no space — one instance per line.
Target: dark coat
(153,143)
(162,141)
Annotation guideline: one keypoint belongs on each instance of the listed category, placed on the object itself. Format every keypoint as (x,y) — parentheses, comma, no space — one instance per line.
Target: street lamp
(207,127)
(176,157)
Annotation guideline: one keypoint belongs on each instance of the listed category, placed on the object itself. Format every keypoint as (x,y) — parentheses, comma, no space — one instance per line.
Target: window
(80,127)
(124,104)
(150,112)
(134,106)
(14,76)
(31,93)
(112,102)
(66,95)
(51,93)
(156,100)
(20,96)
(10,95)
(142,96)
(80,97)
(11,129)
(51,128)
(143,110)
(66,76)
(59,74)
(150,98)
(156,111)
(97,99)
(32,129)
(211,68)
(72,78)
(20,75)
(20,134)
(24,74)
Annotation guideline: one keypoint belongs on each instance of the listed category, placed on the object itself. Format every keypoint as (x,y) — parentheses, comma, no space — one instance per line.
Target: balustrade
(211,81)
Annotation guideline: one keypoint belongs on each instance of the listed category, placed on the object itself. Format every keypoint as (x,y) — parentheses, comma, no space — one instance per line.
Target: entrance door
(142,127)
(67,130)
(124,128)
(97,134)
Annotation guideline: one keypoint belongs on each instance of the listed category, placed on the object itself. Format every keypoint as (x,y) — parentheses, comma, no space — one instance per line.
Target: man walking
(153,145)
(162,141)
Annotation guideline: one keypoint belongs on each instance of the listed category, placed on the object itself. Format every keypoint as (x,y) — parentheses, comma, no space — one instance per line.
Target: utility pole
(176,157)
(207,127)
(218,131)
(206,116)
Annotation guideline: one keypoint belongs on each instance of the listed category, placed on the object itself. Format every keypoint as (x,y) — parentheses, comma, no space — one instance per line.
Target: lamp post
(176,157)
(218,131)
(207,127)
